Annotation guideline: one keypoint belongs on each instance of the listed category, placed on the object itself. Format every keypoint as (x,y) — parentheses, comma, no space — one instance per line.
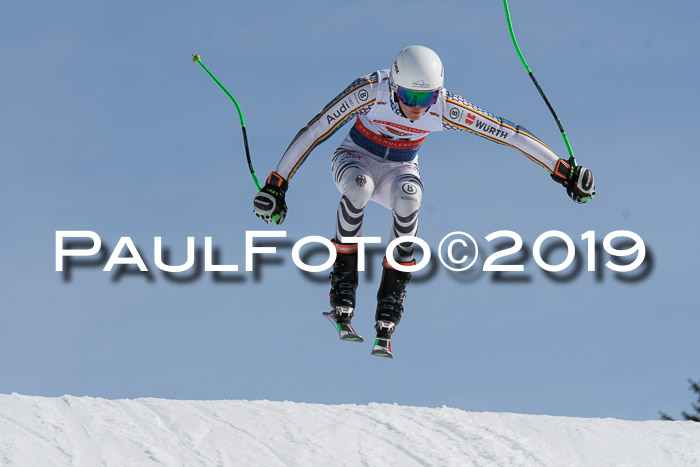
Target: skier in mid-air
(396,108)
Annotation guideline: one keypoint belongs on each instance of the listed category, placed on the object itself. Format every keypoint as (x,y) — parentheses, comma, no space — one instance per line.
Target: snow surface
(86,431)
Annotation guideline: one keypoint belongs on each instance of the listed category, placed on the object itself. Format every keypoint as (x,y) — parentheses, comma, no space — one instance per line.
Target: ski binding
(382,344)
(382,348)
(340,319)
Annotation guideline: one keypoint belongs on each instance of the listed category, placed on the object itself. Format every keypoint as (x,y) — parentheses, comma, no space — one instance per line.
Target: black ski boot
(392,291)
(344,280)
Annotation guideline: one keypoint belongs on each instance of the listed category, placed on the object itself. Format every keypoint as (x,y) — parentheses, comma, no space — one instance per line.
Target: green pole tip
(196,58)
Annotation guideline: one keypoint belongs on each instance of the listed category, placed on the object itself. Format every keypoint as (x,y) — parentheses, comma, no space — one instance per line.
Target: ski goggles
(413,98)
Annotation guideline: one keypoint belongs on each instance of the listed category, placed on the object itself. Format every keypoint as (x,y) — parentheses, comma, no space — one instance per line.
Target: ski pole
(572,159)
(197,59)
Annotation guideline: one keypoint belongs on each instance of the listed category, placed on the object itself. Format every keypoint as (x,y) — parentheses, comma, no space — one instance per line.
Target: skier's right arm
(358,97)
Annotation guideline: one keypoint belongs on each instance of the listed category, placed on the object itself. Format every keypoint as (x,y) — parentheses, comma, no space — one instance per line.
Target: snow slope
(86,431)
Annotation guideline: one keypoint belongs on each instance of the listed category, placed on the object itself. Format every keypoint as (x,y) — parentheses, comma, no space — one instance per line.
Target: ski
(382,348)
(345,329)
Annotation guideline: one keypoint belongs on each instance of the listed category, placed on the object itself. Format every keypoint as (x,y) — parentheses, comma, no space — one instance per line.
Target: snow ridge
(86,431)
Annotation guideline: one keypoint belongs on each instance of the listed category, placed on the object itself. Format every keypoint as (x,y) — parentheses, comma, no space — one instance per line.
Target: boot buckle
(344,311)
(385,327)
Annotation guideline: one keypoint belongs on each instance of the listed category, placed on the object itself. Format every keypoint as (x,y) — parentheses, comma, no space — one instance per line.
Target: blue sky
(107,126)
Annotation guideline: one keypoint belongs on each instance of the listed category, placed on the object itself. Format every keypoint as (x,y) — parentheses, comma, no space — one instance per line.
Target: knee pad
(357,186)
(407,197)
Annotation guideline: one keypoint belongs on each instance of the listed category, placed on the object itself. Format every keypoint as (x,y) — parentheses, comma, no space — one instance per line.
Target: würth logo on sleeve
(470,119)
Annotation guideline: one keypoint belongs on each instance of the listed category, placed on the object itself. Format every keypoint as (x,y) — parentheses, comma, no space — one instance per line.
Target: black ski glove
(269,203)
(578,181)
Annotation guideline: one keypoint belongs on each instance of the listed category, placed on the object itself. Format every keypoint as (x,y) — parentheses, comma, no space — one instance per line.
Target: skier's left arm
(460,114)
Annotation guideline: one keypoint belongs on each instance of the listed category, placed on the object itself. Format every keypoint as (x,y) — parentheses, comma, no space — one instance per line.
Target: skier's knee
(407,198)
(358,188)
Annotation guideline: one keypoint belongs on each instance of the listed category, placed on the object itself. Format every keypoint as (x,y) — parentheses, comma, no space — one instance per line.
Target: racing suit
(378,160)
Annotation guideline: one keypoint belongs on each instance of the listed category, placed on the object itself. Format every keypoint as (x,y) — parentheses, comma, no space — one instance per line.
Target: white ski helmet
(417,68)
